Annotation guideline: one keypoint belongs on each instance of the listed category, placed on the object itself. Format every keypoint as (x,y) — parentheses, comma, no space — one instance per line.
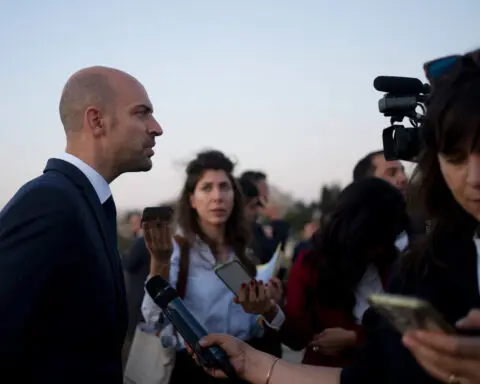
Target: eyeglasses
(450,66)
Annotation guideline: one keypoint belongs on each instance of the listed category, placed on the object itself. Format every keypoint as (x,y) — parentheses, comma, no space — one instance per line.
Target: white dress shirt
(208,299)
(369,284)
(402,242)
(98,182)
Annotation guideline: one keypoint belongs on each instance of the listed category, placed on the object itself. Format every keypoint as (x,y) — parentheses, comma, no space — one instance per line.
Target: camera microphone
(166,297)
(399,85)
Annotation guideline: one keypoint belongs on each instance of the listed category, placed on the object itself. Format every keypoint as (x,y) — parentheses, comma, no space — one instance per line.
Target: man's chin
(143,166)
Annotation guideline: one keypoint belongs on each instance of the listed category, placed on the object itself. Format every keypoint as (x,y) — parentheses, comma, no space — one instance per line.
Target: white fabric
(208,299)
(369,284)
(148,362)
(98,182)
(402,242)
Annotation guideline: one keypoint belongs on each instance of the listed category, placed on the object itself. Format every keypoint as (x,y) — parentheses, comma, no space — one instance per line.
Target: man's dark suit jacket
(62,297)
(264,247)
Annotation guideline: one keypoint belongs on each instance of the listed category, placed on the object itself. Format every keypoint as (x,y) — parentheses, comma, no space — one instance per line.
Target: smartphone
(160,213)
(409,313)
(233,274)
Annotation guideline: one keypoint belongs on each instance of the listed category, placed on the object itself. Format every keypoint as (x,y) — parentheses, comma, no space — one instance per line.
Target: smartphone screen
(233,275)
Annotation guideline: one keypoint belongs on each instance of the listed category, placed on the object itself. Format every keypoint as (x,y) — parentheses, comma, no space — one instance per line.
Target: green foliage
(301,213)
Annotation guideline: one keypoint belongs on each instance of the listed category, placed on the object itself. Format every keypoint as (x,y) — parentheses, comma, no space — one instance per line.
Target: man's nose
(155,128)
(402,178)
(473,170)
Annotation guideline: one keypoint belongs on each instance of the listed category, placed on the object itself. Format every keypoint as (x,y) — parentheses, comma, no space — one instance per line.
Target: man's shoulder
(45,193)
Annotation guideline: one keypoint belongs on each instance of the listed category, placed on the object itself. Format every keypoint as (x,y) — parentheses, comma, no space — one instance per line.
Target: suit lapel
(83,184)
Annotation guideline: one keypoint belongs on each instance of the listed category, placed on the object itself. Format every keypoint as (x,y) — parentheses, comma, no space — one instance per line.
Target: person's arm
(258,366)
(37,232)
(297,330)
(136,256)
(151,312)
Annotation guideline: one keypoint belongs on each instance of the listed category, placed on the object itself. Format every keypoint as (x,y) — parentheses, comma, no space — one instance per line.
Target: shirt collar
(98,182)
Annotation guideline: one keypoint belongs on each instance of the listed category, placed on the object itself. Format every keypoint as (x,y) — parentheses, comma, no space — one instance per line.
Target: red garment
(302,323)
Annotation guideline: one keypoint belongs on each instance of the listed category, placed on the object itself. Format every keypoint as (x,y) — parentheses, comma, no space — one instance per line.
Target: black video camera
(404,95)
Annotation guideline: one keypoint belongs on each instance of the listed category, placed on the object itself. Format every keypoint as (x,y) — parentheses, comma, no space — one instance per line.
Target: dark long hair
(237,233)
(367,218)
(452,124)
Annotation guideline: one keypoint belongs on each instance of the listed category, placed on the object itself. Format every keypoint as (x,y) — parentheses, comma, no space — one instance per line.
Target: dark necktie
(111,215)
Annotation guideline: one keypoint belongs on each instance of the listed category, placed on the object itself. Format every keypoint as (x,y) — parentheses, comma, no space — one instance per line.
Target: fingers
(454,346)
(214,339)
(262,292)
(147,236)
(439,366)
(158,235)
(276,283)
(472,320)
(242,293)
(252,295)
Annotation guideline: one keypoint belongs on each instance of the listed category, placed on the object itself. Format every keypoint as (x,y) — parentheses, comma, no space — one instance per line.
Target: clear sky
(284,86)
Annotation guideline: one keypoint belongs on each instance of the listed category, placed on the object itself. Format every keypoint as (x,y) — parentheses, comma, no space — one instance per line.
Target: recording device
(157,213)
(233,275)
(409,313)
(166,297)
(404,95)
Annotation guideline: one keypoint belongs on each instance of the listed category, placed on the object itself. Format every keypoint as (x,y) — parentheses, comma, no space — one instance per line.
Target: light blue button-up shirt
(208,299)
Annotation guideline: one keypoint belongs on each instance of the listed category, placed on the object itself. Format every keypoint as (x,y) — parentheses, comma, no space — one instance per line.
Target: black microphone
(166,297)
(399,85)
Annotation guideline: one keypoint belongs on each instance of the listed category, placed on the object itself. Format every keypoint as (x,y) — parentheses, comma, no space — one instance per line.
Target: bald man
(62,298)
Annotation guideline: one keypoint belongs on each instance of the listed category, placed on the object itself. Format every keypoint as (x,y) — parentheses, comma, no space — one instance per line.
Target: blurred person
(210,217)
(252,201)
(306,243)
(252,208)
(273,231)
(62,294)
(375,165)
(134,220)
(442,270)
(350,259)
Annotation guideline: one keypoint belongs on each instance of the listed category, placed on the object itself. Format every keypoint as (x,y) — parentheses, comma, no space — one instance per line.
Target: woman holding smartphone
(443,270)
(212,230)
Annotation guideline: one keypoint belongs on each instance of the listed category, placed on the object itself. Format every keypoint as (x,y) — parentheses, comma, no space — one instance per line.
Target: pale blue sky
(284,86)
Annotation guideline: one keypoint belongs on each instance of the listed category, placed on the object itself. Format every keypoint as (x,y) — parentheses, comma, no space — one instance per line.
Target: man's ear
(94,121)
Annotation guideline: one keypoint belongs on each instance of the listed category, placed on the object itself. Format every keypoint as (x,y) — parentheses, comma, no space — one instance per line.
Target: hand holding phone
(233,274)
(409,313)
(158,233)
(252,295)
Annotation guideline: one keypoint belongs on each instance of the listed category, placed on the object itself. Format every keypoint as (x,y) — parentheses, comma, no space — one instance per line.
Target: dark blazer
(452,289)
(264,247)
(62,295)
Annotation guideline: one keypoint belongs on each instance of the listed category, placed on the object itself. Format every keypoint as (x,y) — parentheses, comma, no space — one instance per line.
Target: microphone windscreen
(155,285)
(398,85)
